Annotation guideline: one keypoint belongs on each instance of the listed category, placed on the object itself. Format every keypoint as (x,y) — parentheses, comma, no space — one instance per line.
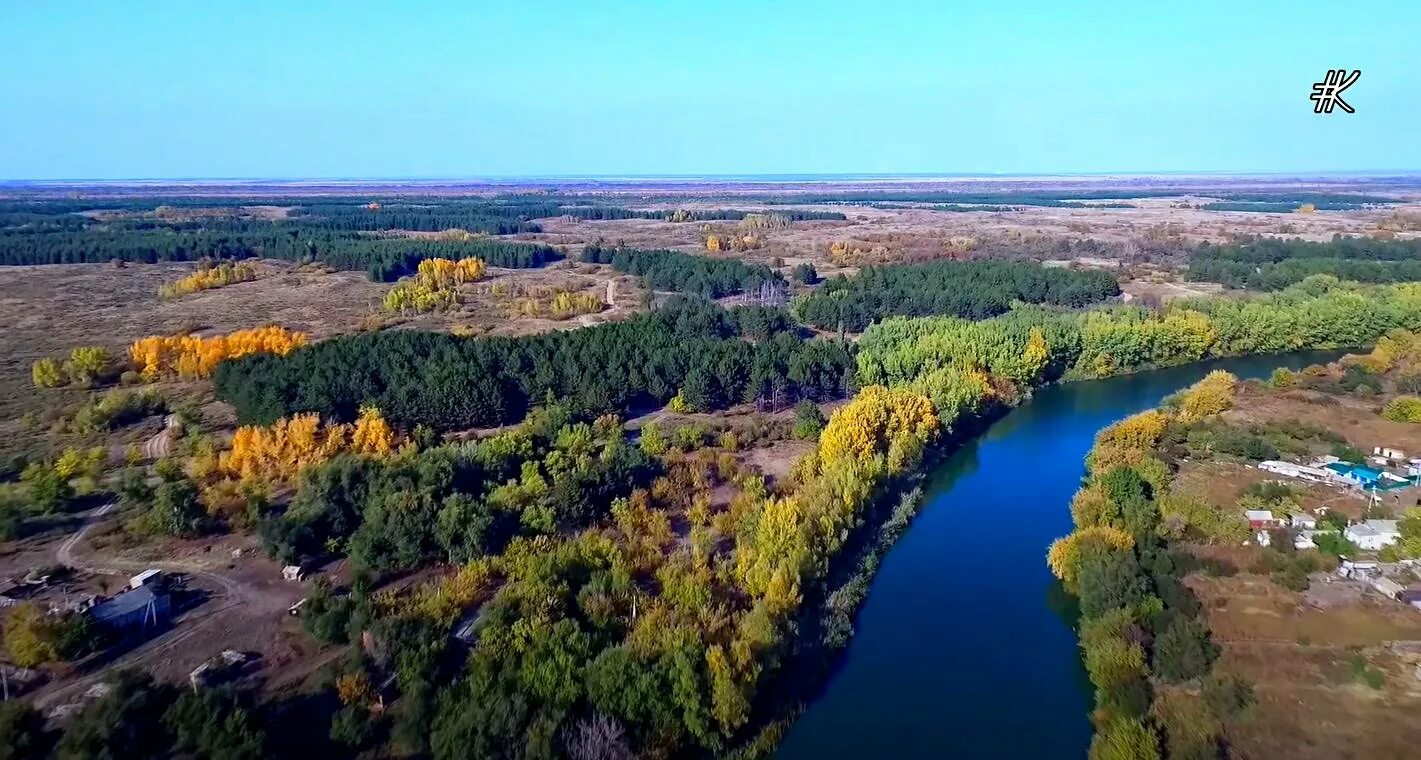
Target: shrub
(1403,409)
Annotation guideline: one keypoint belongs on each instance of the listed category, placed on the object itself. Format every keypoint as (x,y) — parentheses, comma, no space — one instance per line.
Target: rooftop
(124,604)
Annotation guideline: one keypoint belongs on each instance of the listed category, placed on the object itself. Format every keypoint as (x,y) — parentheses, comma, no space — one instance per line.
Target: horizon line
(741,176)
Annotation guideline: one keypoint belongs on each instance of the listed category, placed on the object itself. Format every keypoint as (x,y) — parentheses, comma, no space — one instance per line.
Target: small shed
(1411,596)
(1388,588)
(149,576)
(1260,519)
(294,573)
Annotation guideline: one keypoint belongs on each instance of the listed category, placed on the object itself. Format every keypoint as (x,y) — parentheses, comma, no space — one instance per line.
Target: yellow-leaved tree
(1065,554)
(1213,394)
(192,356)
(892,423)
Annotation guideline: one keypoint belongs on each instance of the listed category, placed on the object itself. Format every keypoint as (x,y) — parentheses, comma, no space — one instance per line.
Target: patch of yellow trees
(192,356)
(435,285)
(279,452)
(209,277)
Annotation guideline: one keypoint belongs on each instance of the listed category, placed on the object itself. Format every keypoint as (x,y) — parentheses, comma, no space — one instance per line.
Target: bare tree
(599,737)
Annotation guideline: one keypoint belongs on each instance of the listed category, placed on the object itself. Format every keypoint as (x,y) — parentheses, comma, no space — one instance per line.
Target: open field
(1300,660)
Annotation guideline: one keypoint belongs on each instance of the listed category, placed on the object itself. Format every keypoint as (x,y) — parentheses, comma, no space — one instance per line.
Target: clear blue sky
(464,89)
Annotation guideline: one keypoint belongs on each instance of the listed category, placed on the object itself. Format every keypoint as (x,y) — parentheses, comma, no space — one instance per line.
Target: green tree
(353,727)
(50,492)
(214,724)
(808,420)
(124,724)
(22,732)
(1183,651)
(1125,739)
(1107,579)
(31,636)
(176,510)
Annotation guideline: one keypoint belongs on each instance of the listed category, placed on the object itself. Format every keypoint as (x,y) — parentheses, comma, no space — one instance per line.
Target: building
(1356,474)
(1388,588)
(1304,522)
(149,576)
(1373,535)
(1387,453)
(1261,519)
(1411,596)
(1299,471)
(140,608)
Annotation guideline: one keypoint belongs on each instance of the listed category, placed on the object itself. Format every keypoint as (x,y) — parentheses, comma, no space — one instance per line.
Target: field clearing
(1300,660)
(1222,483)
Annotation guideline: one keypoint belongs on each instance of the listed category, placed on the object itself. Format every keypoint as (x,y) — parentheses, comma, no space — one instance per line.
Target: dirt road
(236,606)
(161,444)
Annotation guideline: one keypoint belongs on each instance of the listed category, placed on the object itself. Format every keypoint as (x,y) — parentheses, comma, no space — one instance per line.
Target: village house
(1373,535)
(1261,519)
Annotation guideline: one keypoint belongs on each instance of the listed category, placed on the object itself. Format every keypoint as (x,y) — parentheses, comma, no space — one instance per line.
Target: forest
(1318,313)
(385,259)
(673,270)
(1274,264)
(691,350)
(969,289)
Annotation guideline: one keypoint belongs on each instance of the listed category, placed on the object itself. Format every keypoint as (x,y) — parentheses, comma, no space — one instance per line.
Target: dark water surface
(962,649)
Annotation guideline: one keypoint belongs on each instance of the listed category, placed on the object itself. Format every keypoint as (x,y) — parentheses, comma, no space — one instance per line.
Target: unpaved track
(161,444)
(233,594)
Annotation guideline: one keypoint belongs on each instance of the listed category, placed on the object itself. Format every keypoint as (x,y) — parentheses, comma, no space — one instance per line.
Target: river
(963,648)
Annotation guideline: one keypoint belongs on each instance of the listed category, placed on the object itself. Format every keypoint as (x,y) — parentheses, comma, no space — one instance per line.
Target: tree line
(384,259)
(1318,313)
(969,289)
(1143,636)
(1274,264)
(673,270)
(693,349)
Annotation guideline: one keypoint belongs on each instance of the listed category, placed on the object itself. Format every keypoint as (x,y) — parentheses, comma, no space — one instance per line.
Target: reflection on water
(965,646)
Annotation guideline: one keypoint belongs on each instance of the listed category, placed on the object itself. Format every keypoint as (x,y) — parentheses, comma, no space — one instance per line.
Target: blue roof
(128,603)
(1355,470)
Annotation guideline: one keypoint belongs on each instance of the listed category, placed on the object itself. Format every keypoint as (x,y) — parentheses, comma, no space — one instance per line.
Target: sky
(411,89)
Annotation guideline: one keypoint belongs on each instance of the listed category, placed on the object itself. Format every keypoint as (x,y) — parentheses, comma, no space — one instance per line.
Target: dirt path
(161,444)
(229,594)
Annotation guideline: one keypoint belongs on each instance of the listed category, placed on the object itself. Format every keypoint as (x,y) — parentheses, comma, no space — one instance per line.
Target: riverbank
(961,648)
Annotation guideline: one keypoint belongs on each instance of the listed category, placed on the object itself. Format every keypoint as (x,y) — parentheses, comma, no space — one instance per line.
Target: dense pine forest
(971,289)
(344,233)
(1274,264)
(673,270)
(690,349)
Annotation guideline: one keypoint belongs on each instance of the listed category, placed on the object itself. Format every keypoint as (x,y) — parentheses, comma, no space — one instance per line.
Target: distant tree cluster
(690,348)
(970,289)
(673,270)
(1273,264)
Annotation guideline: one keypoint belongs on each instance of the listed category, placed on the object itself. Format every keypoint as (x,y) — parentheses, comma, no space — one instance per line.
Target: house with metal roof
(1356,474)
(143,607)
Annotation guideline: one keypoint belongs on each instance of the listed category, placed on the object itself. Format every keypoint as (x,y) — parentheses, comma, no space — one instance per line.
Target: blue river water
(963,649)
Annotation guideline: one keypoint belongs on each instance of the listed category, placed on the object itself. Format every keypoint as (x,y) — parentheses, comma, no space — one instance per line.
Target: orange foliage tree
(192,356)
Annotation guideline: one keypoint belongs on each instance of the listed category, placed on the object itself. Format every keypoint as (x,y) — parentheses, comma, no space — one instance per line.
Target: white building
(1372,535)
(1299,471)
(1387,453)
(1304,522)
(1388,587)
